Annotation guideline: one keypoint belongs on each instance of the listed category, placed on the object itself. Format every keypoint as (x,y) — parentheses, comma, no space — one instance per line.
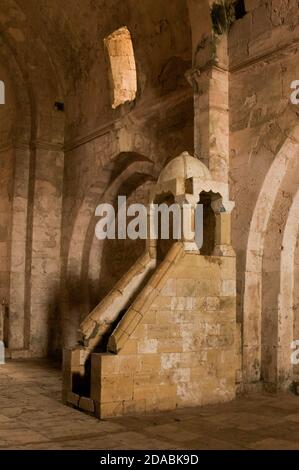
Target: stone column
(19,245)
(44,269)
(223,227)
(190,201)
(209,78)
(151,242)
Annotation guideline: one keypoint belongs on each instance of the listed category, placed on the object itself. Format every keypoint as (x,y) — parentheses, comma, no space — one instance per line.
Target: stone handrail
(98,322)
(139,307)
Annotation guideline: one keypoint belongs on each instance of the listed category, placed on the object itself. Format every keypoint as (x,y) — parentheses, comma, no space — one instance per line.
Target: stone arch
(283,163)
(77,267)
(277,323)
(15,159)
(286,299)
(38,177)
(94,196)
(38,69)
(295,300)
(115,257)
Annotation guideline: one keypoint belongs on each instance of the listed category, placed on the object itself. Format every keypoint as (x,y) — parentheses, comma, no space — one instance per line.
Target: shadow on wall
(209,222)
(54,330)
(119,255)
(103,262)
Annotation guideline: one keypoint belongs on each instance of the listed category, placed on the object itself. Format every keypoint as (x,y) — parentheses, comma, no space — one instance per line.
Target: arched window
(122,66)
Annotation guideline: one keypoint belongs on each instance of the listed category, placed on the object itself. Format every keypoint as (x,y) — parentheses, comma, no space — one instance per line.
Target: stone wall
(56,166)
(263,56)
(6,182)
(181,351)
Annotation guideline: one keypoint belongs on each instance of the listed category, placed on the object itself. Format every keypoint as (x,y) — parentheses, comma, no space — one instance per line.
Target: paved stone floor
(32,417)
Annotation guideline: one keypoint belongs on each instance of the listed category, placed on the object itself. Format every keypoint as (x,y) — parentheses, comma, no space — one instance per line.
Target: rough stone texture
(122,66)
(182,352)
(64,274)
(57,166)
(264,177)
(170,320)
(32,417)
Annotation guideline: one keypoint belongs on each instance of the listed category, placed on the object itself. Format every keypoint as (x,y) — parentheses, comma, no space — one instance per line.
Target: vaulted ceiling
(54,50)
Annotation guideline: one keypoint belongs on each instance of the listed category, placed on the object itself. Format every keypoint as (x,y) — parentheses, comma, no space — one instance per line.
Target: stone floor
(32,417)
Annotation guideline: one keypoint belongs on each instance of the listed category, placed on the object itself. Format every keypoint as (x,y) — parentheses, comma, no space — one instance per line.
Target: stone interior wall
(263,63)
(124,253)
(7,115)
(261,119)
(57,166)
(71,158)
(182,353)
(114,152)
(6,178)
(296,303)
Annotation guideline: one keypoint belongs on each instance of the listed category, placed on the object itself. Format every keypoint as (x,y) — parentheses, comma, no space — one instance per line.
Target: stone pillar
(42,308)
(223,228)
(209,78)
(190,203)
(151,242)
(19,245)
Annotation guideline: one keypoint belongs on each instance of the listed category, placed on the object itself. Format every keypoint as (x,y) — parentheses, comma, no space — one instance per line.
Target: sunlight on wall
(122,66)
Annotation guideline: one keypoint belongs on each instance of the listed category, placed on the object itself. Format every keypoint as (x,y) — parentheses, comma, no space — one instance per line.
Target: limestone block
(228,288)
(148,346)
(207,288)
(212,303)
(170,345)
(150,317)
(165,317)
(157,332)
(160,404)
(126,364)
(73,398)
(149,362)
(185,287)
(228,304)
(134,407)
(86,404)
(228,268)
(131,346)
(109,363)
(170,360)
(108,409)
(116,388)
(182,303)
(169,288)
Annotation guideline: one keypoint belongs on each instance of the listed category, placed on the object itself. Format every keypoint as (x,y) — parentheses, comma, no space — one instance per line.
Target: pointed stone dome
(184,166)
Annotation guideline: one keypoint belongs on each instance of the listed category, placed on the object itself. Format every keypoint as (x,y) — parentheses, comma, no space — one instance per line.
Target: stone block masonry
(182,350)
